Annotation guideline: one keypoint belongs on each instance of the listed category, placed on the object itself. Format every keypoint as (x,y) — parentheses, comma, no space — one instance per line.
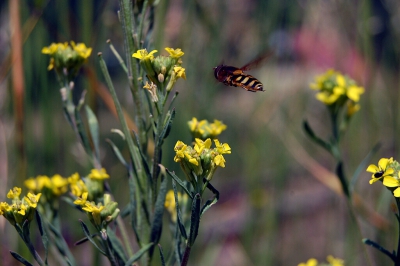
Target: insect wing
(256,61)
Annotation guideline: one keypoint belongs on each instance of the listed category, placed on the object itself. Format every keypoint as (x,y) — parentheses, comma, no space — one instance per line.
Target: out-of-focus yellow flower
(32,199)
(335,88)
(14,193)
(142,54)
(170,203)
(98,174)
(81,49)
(310,262)
(335,261)
(204,129)
(174,53)
(81,200)
(59,185)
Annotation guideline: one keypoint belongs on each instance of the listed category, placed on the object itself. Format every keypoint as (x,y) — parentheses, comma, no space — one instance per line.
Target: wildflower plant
(151,77)
(341,95)
(388,173)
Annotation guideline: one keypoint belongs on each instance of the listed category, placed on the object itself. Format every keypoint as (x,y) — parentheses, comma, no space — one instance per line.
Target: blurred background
(279,202)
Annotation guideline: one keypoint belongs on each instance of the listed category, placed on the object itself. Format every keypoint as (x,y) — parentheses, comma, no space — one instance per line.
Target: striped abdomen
(232,76)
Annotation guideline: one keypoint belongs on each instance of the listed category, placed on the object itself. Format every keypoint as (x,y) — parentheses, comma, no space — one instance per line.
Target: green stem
(397,262)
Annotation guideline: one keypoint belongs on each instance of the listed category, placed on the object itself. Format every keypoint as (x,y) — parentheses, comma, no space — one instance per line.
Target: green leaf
(116,245)
(316,139)
(117,153)
(180,182)
(167,127)
(20,258)
(178,212)
(156,224)
(94,130)
(363,165)
(161,255)
(82,133)
(194,220)
(89,237)
(45,239)
(61,245)
(211,201)
(138,254)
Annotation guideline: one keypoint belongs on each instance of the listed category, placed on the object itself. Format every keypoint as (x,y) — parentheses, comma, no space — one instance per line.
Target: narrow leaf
(20,258)
(380,248)
(89,237)
(194,220)
(117,153)
(138,254)
(82,133)
(313,137)
(178,212)
(94,130)
(161,255)
(156,225)
(167,127)
(180,182)
(45,239)
(212,201)
(342,179)
(116,245)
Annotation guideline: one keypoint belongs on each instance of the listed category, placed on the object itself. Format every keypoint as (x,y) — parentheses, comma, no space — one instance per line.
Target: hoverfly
(233,76)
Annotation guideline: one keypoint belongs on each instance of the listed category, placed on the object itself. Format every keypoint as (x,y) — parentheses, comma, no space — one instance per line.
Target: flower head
(383,169)
(204,129)
(98,174)
(142,54)
(335,89)
(19,210)
(67,59)
(174,53)
(200,161)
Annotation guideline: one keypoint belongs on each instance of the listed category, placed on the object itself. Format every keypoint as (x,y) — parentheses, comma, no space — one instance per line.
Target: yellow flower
(170,203)
(180,72)
(179,148)
(219,160)
(334,261)
(14,193)
(59,185)
(94,210)
(142,54)
(201,145)
(98,174)
(382,170)
(310,262)
(37,184)
(334,88)
(32,199)
(174,53)
(81,200)
(81,49)
(222,148)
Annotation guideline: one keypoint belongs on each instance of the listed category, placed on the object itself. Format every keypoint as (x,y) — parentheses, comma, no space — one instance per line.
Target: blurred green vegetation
(273,210)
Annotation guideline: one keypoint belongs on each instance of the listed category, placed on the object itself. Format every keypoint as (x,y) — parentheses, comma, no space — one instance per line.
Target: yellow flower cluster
(100,215)
(67,57)
(170,203)
(204,129)
(337,89)
(332,261)
(388,171)
(200,159)
(163,71)
(20,209)
(55,185)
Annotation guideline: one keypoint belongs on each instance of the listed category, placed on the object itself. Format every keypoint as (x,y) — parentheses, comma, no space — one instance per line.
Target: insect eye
(378,174)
